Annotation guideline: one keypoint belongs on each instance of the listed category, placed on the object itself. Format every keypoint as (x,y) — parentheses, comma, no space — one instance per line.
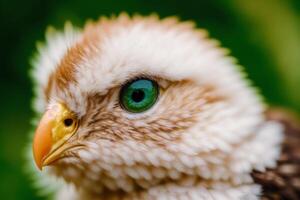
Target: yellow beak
(56,127)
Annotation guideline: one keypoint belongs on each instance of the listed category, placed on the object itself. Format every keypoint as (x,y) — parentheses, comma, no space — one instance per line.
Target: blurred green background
(263,35)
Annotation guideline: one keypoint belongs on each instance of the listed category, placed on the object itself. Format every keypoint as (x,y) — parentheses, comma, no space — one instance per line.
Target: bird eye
(139,95)
(68,122)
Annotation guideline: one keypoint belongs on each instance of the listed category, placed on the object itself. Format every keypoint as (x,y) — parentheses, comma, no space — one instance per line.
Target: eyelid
(135,78)
(162,83)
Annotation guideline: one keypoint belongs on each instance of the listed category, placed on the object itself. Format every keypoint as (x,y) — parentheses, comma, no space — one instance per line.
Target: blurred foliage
(263,35)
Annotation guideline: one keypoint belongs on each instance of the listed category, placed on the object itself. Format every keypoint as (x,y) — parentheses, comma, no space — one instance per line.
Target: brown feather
(87,46)
(283,182)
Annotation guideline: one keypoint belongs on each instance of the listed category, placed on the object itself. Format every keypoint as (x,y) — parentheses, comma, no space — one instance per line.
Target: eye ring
(139,95)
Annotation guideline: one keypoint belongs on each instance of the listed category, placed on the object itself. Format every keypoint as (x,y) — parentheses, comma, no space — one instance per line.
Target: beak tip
(40,168)
(42,141)
(38,163)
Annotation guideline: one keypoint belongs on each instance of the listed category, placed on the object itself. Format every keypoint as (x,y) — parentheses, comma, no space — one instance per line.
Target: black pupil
(68,122)
(138,95)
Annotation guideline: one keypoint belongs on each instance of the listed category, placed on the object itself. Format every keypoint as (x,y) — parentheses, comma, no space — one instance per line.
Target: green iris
(139,95)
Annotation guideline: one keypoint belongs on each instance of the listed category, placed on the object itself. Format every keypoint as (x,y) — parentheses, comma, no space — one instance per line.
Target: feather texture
(202,139)
(283,182)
